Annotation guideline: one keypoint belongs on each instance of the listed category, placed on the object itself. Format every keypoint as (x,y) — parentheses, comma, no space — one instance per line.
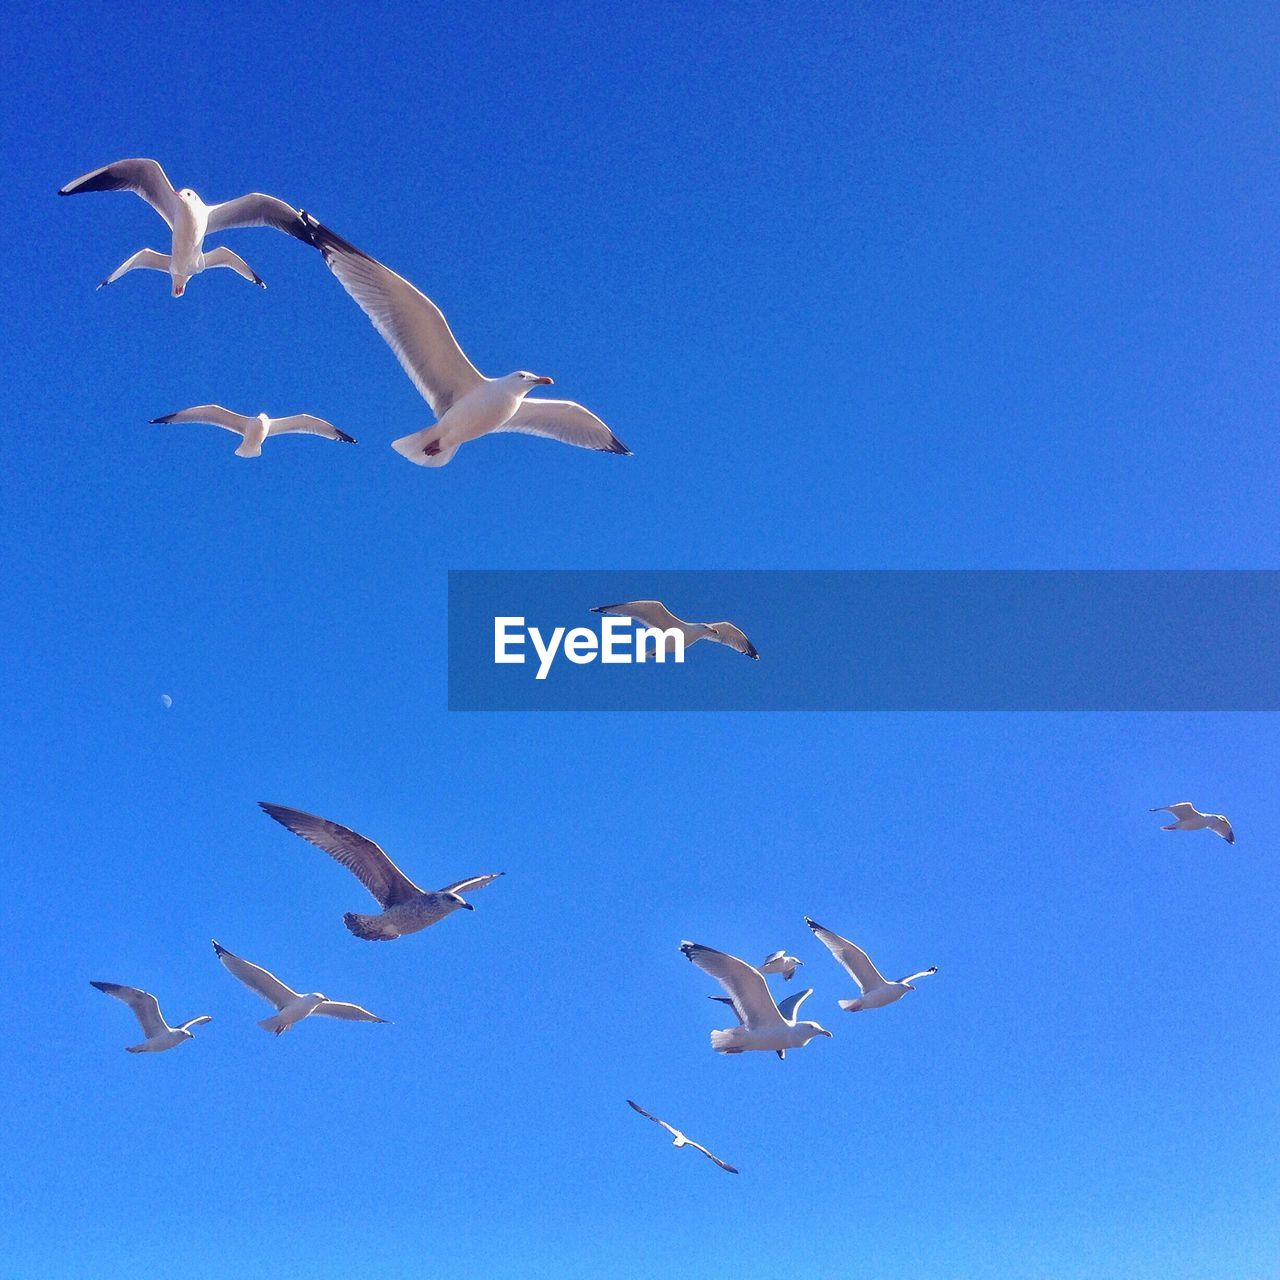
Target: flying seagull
(146,1008)
(653,613)
(257,428)
(290,1005)
(762,1025)
(405,907)
(679,1140)
(1189,818)
(786,1007)
(466,404)
(190,220)
(876,990)
(780,962)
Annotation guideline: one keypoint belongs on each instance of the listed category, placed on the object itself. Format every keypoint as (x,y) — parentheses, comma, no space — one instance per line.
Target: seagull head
(812,1029)
(187,194)
(528,381)
(457,901)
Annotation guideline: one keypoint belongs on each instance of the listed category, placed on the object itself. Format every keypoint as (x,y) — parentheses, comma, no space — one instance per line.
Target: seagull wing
(924,973)
(1183,809)
(635,1106)
(474,882)
(257,210)
(364,859)
(727,633)
(857,964)
(307,424)
(267,985)
(213,414)
(146,1008)
(747,988)
(697,1146)
(412,324)
(653,613)
(566,421)
(144,177)
(1220,826)
(195,1022)
(347,1012)
(791,1004)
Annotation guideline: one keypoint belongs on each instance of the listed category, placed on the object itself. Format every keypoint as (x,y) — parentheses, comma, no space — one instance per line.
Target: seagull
(786,1007)
(190,220)
(146,1008)
(290,1006)
(466,404)
(679,1140)
(762,1025)
(876,991)
(406,908)
(780,962)
(1189,818)
(257,428)
(653,613)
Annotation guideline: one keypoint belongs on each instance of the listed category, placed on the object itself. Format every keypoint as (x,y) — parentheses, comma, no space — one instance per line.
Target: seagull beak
(828,1034)
(543,382)
(467,906)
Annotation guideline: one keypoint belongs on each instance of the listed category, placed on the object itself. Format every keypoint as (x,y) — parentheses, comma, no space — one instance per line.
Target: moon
(165,701)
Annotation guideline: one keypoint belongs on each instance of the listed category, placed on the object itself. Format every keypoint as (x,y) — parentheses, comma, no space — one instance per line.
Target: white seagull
(146,1008)
(257,428)
(290,1005)
(190,220)
(780,962)
(653,613)
(405,907)
(679,1140)
(762,1025)
(466,404)
(876,990)
(787,1007)
(1189,818)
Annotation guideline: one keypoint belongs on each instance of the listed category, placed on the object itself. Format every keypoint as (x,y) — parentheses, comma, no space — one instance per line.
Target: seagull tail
(725,1042)
(273,1024)
(370,928)
(850,1006)
(423,448)
(247,450)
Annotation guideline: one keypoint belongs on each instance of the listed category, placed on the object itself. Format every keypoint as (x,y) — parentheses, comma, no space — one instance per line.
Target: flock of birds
(466,405)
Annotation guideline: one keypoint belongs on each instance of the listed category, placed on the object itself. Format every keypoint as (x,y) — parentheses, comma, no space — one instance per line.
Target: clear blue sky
(862,286)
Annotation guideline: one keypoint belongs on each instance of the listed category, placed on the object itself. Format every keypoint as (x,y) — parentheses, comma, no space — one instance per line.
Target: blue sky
(957,287)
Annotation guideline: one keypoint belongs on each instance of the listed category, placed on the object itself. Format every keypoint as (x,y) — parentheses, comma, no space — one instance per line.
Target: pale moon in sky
(166,701)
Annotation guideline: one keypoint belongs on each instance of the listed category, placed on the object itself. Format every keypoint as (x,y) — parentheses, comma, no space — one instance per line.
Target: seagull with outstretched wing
(467,405)
(190,220)
(146,1008)
(291,1006)
(1186,817)
(877,991)
(678,1139)
(657,617)
(254,429)
(405,907)
(761,1023)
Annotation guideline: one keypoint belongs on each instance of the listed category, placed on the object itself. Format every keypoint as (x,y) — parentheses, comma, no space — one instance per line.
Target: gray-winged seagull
(679,1140)
(876,990)
(762,1024)
(405,907)
(190,220)
(787,1007)
(653,613)
(780,962)
(291,1006)
(146,1008)
(1189,818)
(254,430)
(467,405)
